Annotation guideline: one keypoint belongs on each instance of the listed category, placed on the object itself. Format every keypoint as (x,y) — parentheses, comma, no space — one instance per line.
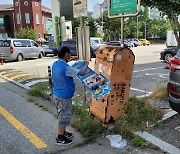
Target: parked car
(46,49)
(71,44)
(174,83)
(135,41)
(168,53)
(94,44)
(19,49)
(97,40)
(128,44)
(144,42)
(114,43)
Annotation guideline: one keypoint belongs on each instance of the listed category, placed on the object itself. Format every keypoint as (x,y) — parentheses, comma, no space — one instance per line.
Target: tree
(169,8)
(87,22)
(26,33)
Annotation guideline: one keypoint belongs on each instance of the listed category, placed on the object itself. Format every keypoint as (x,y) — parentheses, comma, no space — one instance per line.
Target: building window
(27,17)
(49,26)
(4,36)
(18,18)
(37,19)
(1,23)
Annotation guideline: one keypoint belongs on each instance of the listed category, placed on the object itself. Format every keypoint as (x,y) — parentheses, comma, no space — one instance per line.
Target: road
(148,69)
(25,128)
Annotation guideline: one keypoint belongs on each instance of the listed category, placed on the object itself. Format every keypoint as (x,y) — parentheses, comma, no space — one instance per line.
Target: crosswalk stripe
(36,141)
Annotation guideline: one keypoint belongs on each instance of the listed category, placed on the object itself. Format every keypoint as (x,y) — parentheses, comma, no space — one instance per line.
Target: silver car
(19,49)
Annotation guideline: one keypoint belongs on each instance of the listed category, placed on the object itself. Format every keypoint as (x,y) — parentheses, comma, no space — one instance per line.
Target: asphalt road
(148,69)
(17,137)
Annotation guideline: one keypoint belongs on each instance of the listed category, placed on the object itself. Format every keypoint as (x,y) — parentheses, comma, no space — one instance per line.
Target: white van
(96,42)
(19,49)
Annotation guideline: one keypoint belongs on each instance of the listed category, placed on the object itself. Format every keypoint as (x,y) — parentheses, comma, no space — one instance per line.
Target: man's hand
(86,62)
(74,58)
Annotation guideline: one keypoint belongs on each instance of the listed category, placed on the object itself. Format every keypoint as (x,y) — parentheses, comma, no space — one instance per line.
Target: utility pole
(137,23)
(144,29)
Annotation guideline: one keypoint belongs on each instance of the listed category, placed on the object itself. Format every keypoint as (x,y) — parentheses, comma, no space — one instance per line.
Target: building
(23,14)
(154,13)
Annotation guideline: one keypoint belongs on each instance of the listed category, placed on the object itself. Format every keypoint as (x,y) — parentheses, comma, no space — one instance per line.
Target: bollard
(1,59)
(49,77)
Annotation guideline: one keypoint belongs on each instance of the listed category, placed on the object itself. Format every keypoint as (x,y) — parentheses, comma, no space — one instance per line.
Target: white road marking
(147,92)
(158,142)
(147,69)
(159,74)
(177,128)
(35,82)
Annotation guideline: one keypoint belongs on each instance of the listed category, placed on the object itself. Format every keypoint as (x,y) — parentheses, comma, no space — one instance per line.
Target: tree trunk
(176,27)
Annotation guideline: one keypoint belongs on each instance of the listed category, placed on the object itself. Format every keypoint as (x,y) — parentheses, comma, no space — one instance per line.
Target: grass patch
(40,90)
(139,115)
(30,99)
(88,126)
(138,141)
(45,108)
(161,91)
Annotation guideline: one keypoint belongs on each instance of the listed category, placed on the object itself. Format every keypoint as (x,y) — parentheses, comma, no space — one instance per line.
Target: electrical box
(116,63)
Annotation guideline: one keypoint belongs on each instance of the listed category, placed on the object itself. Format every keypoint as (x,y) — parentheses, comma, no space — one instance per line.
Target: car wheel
(20,57)
(167,57)
(45,54)
(40,55)
(175,106)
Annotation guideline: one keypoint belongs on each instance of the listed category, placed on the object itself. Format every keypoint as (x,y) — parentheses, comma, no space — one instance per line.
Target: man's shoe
(68,135)
(63,141)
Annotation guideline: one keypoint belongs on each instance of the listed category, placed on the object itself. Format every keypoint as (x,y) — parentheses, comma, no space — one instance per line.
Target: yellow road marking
(38,143)
(27,78)
(19,75)
(12,74)
(3,72)
(8,71)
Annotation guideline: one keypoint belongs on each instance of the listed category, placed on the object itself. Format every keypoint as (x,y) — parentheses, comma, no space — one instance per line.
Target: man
(63,91)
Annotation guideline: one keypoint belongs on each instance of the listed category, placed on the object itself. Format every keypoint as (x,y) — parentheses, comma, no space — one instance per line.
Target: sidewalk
(102,145)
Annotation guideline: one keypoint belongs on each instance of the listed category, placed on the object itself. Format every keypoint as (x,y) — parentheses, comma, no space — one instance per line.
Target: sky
(47,3)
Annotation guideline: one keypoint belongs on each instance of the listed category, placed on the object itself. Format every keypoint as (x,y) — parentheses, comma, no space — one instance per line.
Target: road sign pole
(122,30)
(84,88)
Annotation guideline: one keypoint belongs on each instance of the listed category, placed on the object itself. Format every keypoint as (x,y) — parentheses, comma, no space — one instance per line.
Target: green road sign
(122,7)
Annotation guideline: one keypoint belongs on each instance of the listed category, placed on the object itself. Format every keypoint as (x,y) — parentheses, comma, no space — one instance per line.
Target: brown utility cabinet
(116,63)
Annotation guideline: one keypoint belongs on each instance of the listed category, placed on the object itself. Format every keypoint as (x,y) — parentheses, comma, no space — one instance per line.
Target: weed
(161,83)
(139,115)
(138,141)
(88,126)
(159,94)
(40,90)
(30,99)
(45,108)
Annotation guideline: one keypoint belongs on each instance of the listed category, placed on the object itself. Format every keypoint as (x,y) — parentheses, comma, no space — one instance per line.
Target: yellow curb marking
(8,72)
(38,143)
(19,75)
(3,72)
(27,78)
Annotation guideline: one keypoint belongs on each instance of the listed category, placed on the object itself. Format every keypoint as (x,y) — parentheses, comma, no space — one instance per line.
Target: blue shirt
(62,77)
